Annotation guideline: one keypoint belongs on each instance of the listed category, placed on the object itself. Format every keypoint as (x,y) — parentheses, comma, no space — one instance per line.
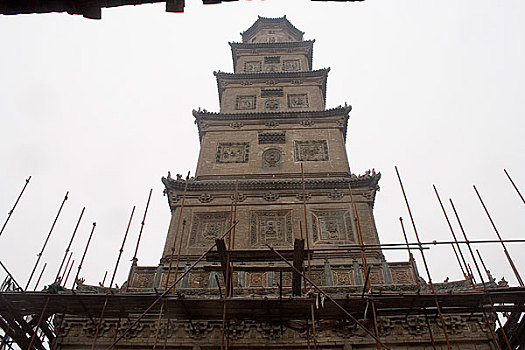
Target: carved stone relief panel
(291,65)
(245,102)
(232,152)
(143,280)
(402,276)
(256,279)
(272,158)
(376,276)
(271,105)
(332,226)
(273,227)
(172,280)
(198,279)
(298,101)
(252,66)
(206,227)
(343,277)
(311,150)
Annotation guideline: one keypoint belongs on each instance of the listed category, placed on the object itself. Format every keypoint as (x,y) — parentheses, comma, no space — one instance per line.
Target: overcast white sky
(103,109)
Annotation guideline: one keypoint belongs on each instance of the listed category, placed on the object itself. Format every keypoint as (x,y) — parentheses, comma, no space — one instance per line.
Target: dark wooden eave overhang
(308,44)
(265,21)
(201,116)
(319,73)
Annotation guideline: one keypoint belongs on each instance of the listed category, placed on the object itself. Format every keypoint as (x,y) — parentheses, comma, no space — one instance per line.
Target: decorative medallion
(303,196)
(240,197)
(332,226)
(291,65)
(271,227)
(335,195)
(205,198)
(232,152)
(236,125)
(307,122)
(245,102)
(272,158)
(271,105)
(252,66)
(271,123)
(271,197)
(311,150)
(206,227)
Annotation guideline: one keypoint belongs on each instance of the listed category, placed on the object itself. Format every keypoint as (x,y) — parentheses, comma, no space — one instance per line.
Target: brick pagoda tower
(273,161)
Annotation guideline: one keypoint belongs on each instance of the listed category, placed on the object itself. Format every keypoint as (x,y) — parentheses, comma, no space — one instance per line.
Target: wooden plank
(251,268)
(298,260)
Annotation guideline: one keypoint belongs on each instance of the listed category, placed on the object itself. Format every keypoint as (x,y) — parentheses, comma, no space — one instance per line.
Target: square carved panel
(332,226)
(252,66)
(343,277)
(298,101)
(273,227)
(207,227)
(291,65)
(245,102)
(232,152)
(311,150)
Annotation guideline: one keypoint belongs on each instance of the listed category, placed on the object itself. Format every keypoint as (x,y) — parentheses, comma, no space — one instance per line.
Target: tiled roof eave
(361,181)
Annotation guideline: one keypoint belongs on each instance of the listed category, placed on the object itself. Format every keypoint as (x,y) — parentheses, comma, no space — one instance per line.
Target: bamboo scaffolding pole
(483,264)
(121,250)
(361,325)
(6,337)
(513,184)
(68,272)
(155,302)
(507,255)
(180,249)
(134,259)
(75,281)
(10,276)
(228,285)
(453,236)
(30,346)
(424,263)
(69,244)
(410,256)
(14,206)
(157,328)
(360,241)
(40,276)
(104,279)
(389,245)
(65,269)
(481,277)
(430,331)
(314,332)
(39,255)
(175,236)
(307,237)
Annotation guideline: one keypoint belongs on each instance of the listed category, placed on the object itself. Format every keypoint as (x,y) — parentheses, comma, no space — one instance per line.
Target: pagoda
(273,241)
